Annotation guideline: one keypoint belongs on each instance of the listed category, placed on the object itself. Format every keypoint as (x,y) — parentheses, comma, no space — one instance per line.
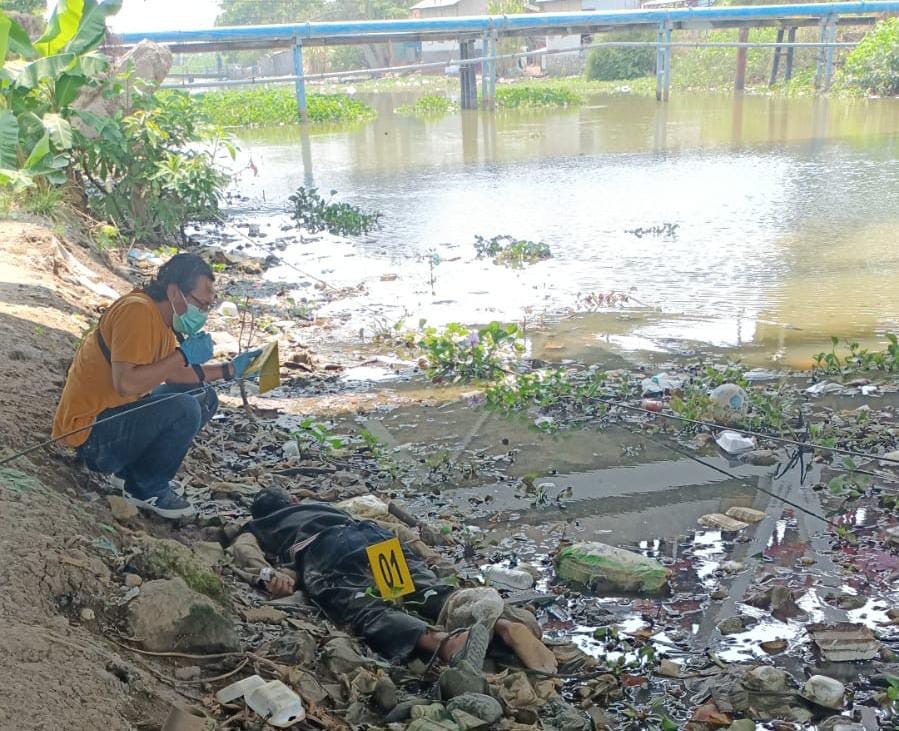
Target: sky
(155,15)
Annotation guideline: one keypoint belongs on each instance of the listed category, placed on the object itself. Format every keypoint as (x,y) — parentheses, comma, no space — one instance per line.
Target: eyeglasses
(202,306)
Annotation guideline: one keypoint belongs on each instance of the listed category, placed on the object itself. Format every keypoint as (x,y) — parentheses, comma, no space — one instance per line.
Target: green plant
(873,65)
(511,252)
(852,484)
(38,84)
(313,213)
(106,236)
(311,433)
(275,106)
(516,96)
(858,358)
(151,170)
(430,105)
(622,63)
(459,354)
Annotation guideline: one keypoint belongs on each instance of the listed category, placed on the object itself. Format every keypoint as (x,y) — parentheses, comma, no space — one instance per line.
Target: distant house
(573,63)
(445,50)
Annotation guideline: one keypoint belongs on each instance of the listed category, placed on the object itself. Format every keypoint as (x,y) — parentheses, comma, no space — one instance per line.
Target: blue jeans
(146,448)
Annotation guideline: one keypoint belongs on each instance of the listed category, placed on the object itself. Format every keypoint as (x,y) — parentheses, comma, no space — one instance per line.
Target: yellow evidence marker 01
(388,565)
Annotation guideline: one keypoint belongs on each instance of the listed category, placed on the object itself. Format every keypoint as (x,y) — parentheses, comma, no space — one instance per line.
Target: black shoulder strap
(104,348)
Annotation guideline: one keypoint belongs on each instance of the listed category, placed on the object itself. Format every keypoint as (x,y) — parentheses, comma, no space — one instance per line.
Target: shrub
(459,354)
(313,213)
(430,105)
(873,65)
(615,63)
(274,106)
(144,170)
(515,96)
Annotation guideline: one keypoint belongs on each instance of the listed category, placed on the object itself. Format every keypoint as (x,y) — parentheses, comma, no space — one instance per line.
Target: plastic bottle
(506,578)
(277,704)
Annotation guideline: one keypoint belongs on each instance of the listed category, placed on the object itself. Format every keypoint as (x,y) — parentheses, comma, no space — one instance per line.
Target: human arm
(249,557)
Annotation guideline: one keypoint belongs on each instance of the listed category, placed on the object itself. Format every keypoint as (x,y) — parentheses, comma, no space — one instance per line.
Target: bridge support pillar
(488,71)
(300,83)
(788,66)
(824,71)
(663,62)
(775,63)
(740,76)
(468,76)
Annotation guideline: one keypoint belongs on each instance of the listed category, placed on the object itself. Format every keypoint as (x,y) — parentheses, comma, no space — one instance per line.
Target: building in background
(573,63)
(446,50)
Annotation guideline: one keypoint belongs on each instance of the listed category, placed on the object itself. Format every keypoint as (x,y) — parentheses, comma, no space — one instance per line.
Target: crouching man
(325,550)
(136,393)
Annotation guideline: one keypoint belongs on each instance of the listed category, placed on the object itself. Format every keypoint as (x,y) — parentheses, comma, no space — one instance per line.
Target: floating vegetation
(668,230)
(510,251)
(313,213)
(430,105)
(458,353)
(277,106)
(524,96)
(859,358)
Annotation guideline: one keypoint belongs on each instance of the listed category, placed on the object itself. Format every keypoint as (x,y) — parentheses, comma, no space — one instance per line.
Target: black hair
(183,270)
(270,500)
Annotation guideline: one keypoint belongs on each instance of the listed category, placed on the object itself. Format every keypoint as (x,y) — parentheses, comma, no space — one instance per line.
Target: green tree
(873,65)
(253,12)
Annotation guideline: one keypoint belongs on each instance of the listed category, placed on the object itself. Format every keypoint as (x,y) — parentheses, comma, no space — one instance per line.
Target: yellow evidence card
(388,565)
(268,365)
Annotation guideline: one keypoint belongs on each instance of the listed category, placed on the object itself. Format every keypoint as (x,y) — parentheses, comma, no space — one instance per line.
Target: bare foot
(452,646)
(533,654)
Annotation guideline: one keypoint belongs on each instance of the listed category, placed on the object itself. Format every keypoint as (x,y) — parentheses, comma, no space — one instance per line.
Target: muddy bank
(488,490)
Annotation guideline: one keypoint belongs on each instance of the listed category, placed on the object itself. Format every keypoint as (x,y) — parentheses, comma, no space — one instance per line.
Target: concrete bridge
(489,29)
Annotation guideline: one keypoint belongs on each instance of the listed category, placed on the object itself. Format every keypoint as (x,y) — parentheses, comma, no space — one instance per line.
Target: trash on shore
(605,568)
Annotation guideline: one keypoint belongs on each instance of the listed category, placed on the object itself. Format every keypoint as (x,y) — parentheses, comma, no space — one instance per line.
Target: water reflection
(786,212)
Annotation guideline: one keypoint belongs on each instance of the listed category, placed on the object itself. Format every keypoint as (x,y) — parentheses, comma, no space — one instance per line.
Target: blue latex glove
(243,361)
(197,348)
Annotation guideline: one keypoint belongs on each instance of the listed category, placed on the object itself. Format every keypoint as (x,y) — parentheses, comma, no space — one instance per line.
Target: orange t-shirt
(134,332)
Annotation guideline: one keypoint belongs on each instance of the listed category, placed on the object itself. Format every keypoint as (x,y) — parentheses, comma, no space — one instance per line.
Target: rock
(732,567)
(844,641)
(307,686)
(170,616)
(384,695)
(731,626)
(147,65)
(267,615)
(847,601)
(721,522)
(773,647)
(891,535)
(779,600)
(840,723)
(607,568)
(290,449)
(709,715)
(466,722)
(560,716)
(824,691)
(669,668)
(164,558)
(424,724)
(340,657)
(481,706)
(766,679)
(296,648)
(760,458)
(188,672)
(747,515)
(132,580)
(210,553)
(742,724)
(459,680)
(121,509)
(432,712)
(87,615)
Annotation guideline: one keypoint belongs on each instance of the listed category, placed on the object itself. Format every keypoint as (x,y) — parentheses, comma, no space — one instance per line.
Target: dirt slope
(58,669)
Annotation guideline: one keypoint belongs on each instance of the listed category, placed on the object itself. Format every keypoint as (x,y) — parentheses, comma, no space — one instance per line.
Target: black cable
(760,435)
(731,475)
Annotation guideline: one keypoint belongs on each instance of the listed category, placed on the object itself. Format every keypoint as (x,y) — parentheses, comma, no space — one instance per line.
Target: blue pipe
(558,22)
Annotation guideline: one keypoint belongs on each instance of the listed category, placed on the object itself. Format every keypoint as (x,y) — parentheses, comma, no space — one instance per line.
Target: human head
(270,500)
(184,279)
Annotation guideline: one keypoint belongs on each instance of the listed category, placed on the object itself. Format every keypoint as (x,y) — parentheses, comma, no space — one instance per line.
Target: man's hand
(280,585)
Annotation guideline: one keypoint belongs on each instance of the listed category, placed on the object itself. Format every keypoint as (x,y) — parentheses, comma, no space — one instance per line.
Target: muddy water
(785,209)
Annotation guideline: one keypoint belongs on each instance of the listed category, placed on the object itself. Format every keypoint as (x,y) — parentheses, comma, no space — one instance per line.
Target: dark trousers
(335,572)
(145,448)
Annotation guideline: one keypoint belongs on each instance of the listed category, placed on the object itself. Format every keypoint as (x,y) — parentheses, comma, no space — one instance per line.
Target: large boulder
(164,558)
(169,616)
(607,569)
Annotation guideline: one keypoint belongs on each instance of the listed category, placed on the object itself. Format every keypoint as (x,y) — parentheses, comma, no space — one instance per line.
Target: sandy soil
(59,668)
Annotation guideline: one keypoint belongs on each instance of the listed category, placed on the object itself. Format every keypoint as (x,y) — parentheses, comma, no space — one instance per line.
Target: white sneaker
(168,505)
(118,484)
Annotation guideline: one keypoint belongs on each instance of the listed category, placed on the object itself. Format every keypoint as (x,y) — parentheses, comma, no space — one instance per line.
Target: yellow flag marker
(388,565)
(268,366)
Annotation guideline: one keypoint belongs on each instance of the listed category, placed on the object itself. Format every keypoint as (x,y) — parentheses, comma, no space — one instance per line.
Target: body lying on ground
(321,550)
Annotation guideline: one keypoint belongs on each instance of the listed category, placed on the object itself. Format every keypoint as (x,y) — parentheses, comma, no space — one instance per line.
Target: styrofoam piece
(239,689)
(733,442)
(277,704)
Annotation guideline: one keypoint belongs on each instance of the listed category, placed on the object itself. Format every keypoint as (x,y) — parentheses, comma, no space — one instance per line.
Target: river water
(785,209)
